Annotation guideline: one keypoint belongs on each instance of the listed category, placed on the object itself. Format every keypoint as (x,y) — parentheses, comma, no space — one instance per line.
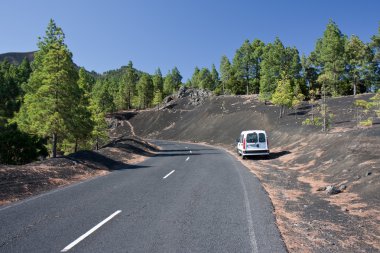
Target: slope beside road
(187,198)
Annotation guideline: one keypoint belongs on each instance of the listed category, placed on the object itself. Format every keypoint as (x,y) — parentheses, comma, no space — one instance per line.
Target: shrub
(366,123)
(17,147)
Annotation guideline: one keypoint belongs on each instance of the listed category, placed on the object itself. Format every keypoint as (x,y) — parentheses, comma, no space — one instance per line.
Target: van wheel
(243,157)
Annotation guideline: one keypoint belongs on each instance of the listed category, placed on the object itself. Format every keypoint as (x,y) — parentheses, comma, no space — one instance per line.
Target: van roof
(251,131)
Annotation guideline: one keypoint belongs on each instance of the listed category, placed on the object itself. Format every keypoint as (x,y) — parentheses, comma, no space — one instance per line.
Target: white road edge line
(191,151)
(92,230)
(251,228)
(187,159)
(168,174)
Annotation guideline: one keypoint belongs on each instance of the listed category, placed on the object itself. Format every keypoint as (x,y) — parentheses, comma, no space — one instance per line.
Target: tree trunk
(97,143)
(247,89)
(54,145)
(324,109)
(355,87)
(76,145)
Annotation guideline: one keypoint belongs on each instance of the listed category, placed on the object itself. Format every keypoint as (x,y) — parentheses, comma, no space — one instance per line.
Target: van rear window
(252,138)
(261,137)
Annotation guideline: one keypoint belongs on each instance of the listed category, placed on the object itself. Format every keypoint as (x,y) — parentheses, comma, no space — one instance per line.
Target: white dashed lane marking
(169,174)
(92,230)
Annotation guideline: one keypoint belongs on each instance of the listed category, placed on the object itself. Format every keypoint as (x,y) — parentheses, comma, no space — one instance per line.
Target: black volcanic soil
(21,181)
(303,159)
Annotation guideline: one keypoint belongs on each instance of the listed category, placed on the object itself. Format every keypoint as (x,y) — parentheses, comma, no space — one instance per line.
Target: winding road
(187,198)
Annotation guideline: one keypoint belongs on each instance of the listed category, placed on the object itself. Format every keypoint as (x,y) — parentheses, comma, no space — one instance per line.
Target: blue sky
(105,35)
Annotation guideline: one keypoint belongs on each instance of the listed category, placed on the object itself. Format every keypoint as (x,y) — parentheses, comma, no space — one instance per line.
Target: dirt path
(132,128)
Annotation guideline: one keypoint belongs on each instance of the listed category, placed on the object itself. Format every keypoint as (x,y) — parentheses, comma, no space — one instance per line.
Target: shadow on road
(184,150)
(98,161)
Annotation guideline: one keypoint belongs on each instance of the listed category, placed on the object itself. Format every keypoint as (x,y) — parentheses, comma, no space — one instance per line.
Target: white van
(252,142)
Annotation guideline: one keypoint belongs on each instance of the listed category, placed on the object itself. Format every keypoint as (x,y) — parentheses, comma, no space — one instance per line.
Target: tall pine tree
(51,92)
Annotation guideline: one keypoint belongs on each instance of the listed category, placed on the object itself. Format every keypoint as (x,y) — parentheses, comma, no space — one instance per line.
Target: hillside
(16,58)
(303,162)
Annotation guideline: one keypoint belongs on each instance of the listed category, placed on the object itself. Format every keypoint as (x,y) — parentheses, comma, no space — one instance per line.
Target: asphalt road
(188,198)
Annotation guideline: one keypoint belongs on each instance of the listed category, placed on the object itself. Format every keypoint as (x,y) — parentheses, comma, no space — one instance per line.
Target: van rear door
(263,144)
(256,141)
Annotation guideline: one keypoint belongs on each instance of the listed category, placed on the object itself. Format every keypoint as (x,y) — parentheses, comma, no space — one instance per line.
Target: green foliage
(362,109)
(53,97)
(246,63)
(315,121)
(376,103)
(18,147)
(158,81)
(99,131)
(358,58)
(277,59)
(169,85)
(225,72)
(9,91)
(362,104)
(375,47)
(177,78)
(366,123)
(329,57)
(214,77)
(205,79)
(309,74)
(283,94)
(145,91)
(157,98)
(126,90)
(194,81)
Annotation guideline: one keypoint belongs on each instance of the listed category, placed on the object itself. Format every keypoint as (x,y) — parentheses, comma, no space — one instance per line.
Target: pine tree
(194,82)
(205,79)
(358,56)
(324,79)
(329,57)
(81,124)
(271,68)
(243,64)
(169,85)
(158,81)
(51,89)
(23,72)
(177,78)
(10,91)
(375,47)
(214,77)
(145,91)
(298,97)
(225,72)
(309,75)
(99,131)
(127,87)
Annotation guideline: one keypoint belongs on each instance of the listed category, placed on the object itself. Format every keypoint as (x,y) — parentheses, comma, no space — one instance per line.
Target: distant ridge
(16,58)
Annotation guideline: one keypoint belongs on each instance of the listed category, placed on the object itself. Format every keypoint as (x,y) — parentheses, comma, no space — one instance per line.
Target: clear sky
(105,35)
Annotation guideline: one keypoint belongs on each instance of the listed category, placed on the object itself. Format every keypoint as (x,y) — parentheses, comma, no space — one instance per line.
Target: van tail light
(244,143)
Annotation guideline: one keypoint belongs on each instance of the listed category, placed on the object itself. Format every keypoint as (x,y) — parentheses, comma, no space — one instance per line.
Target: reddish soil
(302,160)
(19,182)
